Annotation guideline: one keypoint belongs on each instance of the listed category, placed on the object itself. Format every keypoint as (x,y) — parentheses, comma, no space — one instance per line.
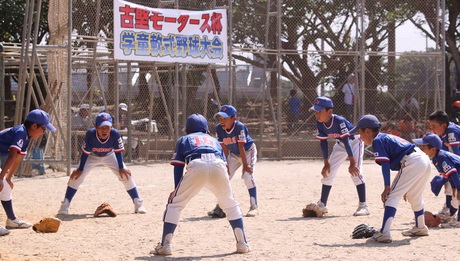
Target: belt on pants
(204,156)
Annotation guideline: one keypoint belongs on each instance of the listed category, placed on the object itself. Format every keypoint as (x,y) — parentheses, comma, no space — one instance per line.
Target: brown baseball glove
(432,220)
(312,210)
(47,225)
(105,208)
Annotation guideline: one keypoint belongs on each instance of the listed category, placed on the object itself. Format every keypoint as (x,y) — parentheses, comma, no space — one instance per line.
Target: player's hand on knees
(385,193)
(326,169)
(353,169)
(247,168)
(10,182)
(124,173)
(76,174)
(1,186)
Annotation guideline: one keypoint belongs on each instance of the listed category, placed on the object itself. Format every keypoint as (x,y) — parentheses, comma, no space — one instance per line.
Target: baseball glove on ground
(105,208)
(47,225)
(363,231)
(432,220)
(312,210)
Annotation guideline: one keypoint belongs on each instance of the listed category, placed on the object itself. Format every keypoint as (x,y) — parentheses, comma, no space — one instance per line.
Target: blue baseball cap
(103,119)
(226,111)
(321,103)
(431,139)
(196,123)
(40,117)
(366,121)
(437,183)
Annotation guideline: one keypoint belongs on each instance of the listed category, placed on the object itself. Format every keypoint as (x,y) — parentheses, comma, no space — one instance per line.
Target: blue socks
(133,193)
(325,190)
(361,188)
(70,192)
(8,207)
(253,196)
(168,229)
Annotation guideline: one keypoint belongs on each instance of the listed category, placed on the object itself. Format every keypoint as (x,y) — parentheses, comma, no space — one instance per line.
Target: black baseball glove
(363,231)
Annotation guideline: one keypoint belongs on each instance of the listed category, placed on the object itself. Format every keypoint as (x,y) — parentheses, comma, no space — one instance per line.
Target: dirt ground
(278,233)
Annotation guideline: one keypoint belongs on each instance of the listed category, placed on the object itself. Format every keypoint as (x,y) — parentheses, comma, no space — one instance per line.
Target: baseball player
(449,133)
(447,164)
(347,146)
(103,145)
(240,150)
(205,166)
(413,166)
(13,147)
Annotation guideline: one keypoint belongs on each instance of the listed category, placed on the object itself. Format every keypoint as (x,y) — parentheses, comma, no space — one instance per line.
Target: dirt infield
(278,233)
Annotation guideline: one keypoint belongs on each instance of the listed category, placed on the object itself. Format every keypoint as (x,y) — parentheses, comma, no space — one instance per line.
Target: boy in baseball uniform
(449,133)
(240,150)
(103,146)
(413,166)
(205,166)
(447,164)
(13,147)
(347,146)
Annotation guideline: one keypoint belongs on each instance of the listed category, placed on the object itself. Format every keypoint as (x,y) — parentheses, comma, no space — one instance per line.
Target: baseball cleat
(17,223)
(64,209)
(253,211)
(3,231)
(363,210)
(217,212)
(322,207)
(242,247)
(451,224)
(162,250)
(139,206)
(416,232)
(382,237)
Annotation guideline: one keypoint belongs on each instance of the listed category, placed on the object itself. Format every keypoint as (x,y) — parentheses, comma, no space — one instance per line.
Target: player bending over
(240,150)
(13,147)
(347,146)
(205,166)
(413,166)
(103,145)
(447,164)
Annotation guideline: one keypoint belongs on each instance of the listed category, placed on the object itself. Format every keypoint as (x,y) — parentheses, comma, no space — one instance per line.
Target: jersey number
(202,141)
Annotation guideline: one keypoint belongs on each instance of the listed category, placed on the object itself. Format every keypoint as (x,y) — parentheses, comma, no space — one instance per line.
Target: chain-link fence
(365,56)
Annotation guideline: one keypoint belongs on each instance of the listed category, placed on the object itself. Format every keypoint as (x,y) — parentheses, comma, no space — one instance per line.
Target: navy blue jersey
(101,148)
(191,146)
(390,148)
(451,137)
(337,128)
(15,138)
(448,164)
(237,134)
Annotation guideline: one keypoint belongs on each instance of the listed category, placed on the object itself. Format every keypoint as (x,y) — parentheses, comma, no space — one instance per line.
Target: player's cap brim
(105,123)
(221,114)
(50,127)
(317,108)
(419,142)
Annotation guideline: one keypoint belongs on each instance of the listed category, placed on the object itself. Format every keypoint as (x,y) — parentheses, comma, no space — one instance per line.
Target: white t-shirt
(349,91)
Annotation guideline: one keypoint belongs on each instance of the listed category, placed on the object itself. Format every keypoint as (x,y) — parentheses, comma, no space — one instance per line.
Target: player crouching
(206,166)
(103,145)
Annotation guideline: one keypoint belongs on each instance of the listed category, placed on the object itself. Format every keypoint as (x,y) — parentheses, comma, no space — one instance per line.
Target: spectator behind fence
(409,105)
(81,120)
(349,91)
(407,128)
(294,112)
(123,126)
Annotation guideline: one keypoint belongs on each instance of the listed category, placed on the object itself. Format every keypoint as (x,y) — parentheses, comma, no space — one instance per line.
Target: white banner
(169,35)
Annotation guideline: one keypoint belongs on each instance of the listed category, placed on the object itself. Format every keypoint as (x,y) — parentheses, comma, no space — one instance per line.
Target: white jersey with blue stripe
(237,134)
(14,138)
(337,128)
(390,148)
(93,145)
(191,146)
